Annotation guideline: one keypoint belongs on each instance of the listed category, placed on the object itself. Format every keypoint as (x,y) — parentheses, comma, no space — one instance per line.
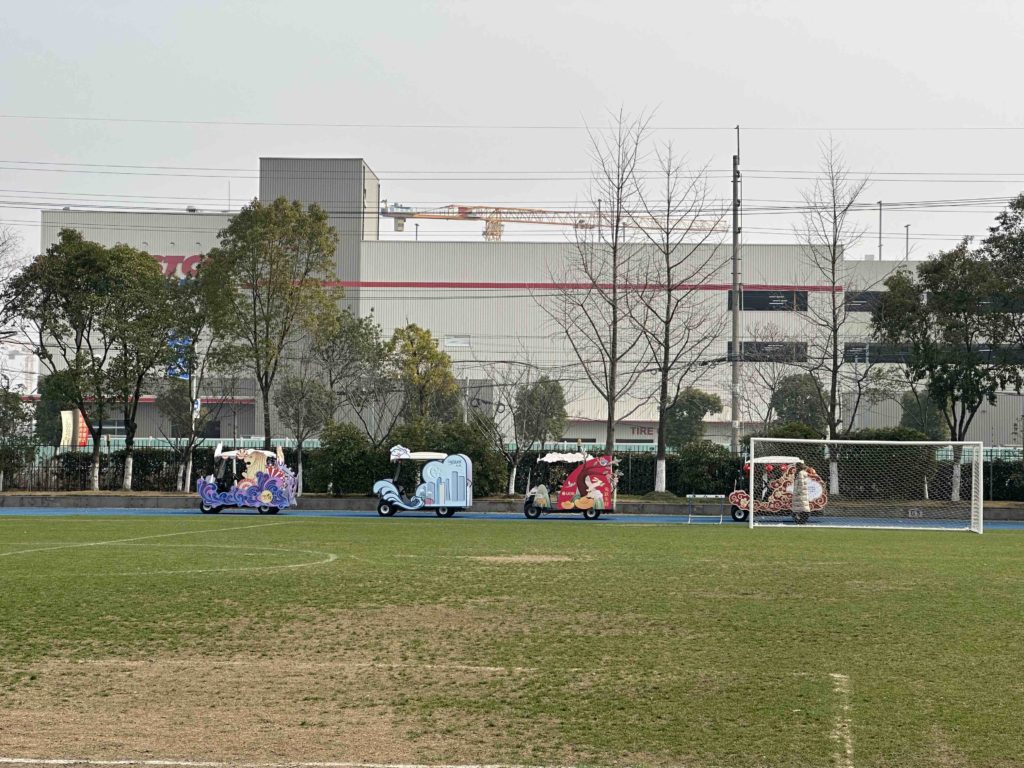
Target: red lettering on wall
(179,266)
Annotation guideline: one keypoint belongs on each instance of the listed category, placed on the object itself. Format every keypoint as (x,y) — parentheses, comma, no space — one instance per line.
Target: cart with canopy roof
(445,484)
(585,483)
(776,489)
(247,477)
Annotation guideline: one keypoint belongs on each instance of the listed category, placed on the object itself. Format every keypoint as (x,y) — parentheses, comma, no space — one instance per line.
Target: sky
(164,105)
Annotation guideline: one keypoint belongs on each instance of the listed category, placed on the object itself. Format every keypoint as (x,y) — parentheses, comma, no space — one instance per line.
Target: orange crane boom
(495,217)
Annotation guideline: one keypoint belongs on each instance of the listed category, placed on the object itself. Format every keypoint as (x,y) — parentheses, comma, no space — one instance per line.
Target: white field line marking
(328,557)
(842,732)
(137,538)
(212,764)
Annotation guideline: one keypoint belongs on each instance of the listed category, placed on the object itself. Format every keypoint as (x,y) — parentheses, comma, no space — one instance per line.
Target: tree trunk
(833,477)
(94,481)
(513,468)
(659,464)
(126,485)
(298,469)
(187,480)
(179,478)
(957,473)
(659,475)
(265,391)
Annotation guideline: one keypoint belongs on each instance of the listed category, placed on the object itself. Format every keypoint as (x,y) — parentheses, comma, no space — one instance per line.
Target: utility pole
(737,298)
(879,230)
(906,254)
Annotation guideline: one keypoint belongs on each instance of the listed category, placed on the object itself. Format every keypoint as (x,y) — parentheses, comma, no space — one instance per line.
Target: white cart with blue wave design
(446,484)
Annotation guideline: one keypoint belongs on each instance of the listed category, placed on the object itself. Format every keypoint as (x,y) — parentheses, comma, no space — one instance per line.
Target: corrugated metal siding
(335,184)
(160,234)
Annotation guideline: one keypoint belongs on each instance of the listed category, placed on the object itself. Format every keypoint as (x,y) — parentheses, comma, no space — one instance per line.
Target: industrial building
(491,302)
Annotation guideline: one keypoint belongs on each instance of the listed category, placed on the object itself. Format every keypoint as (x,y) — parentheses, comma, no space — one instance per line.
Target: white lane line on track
(138,538)
(842,733)
(214,764)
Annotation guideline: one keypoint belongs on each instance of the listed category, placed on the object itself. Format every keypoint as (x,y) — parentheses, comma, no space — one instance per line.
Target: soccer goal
(864,484)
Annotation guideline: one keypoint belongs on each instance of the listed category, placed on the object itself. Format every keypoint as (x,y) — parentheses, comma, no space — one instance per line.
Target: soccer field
(263,640)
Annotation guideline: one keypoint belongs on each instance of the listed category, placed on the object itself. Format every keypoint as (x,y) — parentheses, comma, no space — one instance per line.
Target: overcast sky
(923,77)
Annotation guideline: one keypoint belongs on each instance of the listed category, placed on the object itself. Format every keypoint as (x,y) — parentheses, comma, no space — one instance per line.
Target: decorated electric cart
(446,483)
(247,477)
(774,489)
(586,484)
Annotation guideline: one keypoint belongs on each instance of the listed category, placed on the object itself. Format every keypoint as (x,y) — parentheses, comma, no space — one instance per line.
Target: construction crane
(495,217)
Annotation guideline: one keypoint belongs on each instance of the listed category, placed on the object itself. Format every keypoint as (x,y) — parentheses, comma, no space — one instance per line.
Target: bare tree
(590,307)
(827,235)
(673,311)
(522,408)
(766,362)
(11,261)
(304,406)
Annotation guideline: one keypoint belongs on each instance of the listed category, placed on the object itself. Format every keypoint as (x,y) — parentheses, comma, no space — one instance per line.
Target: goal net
(864,483)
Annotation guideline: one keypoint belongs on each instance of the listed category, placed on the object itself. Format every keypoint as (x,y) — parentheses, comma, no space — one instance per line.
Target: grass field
(430,641)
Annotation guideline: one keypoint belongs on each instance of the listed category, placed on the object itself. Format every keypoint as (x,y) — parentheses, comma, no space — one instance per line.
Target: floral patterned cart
(776,489)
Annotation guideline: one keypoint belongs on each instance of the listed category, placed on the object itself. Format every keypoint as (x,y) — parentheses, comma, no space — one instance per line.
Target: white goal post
(933,485)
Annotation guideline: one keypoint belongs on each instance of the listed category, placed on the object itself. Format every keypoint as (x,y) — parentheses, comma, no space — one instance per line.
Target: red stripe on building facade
(569,286)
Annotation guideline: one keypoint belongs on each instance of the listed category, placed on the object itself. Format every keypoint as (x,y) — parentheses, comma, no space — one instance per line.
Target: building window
(863,301)
(865,352)
(113,427)
(772,301)
(771,351)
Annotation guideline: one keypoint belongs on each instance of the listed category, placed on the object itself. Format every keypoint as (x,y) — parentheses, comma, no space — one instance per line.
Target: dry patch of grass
(261,709)
(516,559)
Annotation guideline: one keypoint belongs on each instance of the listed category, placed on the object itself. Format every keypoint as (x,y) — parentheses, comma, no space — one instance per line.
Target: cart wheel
(800,517)
(384,509)
(444,512)
(208,509)
(531,512)
(739,515)
(591,514)
(263,509)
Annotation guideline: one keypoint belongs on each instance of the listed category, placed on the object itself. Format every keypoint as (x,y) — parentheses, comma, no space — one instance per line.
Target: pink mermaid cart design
(247,477)
(446,487)
(776,489)
(590,487)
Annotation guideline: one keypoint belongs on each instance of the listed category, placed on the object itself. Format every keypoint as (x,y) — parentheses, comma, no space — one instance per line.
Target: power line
(511,127)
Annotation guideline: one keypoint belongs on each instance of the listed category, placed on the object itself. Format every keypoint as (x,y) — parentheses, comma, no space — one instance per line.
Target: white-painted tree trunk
(659,476)
(833,477)
(512,480)
(957,470)
(94,481)
(187,485)
(128,461)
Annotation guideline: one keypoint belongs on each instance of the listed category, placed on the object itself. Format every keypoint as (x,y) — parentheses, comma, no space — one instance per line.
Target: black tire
(384,509)
(208,509)
(444,511)
(591,514)
(263,509)
(531,512)
(738,514)
(800,518)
